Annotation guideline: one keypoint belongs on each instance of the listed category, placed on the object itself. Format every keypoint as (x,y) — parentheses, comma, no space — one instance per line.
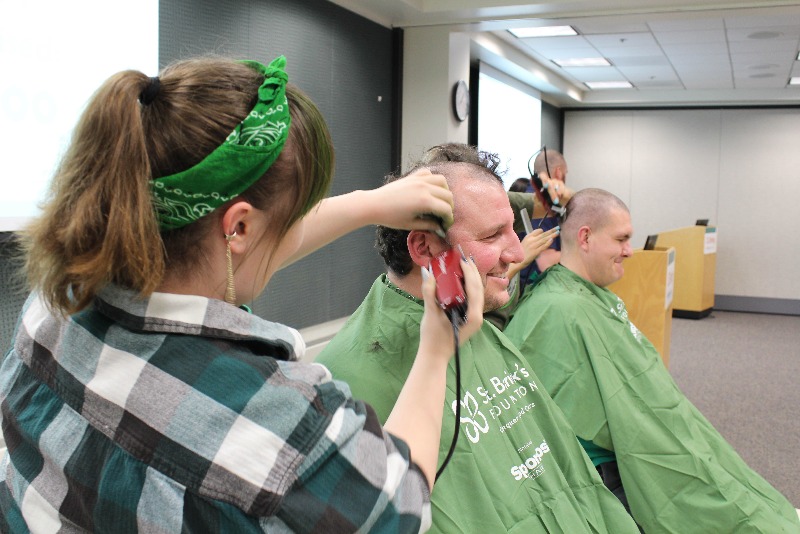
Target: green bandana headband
(250,149)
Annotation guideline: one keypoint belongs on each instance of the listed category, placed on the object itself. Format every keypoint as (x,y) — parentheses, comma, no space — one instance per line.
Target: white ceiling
(674,52)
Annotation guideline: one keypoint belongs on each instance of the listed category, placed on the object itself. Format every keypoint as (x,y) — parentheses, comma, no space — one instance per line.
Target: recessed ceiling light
(583,62)
(763,66)
(795,80)
(764,35)
(544,31)
(763,75)
(798,56)
(609,85)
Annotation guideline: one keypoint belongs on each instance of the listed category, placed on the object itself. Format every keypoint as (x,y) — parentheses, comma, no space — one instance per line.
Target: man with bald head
(516,466)
(652,447)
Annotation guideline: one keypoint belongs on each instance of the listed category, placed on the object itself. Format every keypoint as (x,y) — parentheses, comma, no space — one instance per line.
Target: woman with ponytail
(140,393)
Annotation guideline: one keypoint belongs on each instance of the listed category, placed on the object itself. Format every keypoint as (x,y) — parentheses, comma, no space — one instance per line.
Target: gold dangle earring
(230,289)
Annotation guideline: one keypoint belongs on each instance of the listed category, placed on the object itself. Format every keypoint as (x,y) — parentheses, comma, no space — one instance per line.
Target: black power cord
(455,320)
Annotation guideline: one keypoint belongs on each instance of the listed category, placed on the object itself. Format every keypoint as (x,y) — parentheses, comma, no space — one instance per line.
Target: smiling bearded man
(653,448)
(517,466)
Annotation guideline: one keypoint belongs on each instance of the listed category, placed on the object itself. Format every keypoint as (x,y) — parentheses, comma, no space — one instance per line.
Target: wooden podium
(696,263)
(646,288)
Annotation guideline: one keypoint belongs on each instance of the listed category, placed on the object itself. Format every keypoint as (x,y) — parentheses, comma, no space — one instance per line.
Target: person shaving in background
(548,164)
(139,395)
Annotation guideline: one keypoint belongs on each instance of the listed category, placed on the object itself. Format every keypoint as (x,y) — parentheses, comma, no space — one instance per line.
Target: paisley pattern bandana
(250,149)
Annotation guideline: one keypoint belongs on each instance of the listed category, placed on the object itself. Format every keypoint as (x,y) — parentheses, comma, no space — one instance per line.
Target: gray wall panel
(552,127)
(343,62)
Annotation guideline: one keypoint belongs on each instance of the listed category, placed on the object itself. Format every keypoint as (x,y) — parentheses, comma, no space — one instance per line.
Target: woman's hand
(420,201)
(537,242)
(558,191)
(534,244)
(436,332)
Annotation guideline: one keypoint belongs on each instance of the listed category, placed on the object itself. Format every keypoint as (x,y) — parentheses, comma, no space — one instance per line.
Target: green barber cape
(517,466)
(679,473)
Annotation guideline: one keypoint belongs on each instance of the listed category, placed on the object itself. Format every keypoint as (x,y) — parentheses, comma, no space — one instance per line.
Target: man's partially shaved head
(588,207)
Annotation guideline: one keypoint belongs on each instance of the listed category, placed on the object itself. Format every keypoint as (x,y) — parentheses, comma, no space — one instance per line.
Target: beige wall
(738,167)
(433,61)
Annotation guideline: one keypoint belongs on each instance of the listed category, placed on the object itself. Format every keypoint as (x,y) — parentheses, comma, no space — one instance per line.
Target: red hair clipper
(446,270)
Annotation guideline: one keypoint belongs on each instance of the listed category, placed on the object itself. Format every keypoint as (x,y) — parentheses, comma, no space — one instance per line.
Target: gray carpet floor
(741,370)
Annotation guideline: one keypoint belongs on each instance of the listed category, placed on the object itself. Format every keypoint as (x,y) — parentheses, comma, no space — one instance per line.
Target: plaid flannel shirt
(180,413)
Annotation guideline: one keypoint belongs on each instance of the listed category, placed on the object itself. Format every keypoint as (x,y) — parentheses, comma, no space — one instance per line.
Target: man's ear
(423,246)
(583,237)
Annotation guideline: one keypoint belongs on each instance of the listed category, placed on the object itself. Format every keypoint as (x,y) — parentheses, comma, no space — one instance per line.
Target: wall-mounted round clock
(461,100)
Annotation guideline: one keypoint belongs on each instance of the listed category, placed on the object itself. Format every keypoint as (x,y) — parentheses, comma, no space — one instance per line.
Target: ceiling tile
(659,84)
(709,83)
(691,48)
(599,25)
(746,74)
(777,45)
(706,79)
(760,58)
(744,34)
(687,37)
(666,24)
(761,83)
(629,51)
(716,69)
(622,39)
(639,74)
(698,59)
(766,66)
(640,61)
(751,21)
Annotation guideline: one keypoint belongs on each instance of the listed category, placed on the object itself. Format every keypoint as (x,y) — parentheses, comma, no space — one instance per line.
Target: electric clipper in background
(539,189)
(446,270)
(539,186)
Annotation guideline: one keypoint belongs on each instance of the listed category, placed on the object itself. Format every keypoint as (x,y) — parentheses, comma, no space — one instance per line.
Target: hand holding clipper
(450,295)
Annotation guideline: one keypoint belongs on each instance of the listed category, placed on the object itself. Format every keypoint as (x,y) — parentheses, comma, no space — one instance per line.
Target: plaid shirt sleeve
(363,478)
(114,427)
